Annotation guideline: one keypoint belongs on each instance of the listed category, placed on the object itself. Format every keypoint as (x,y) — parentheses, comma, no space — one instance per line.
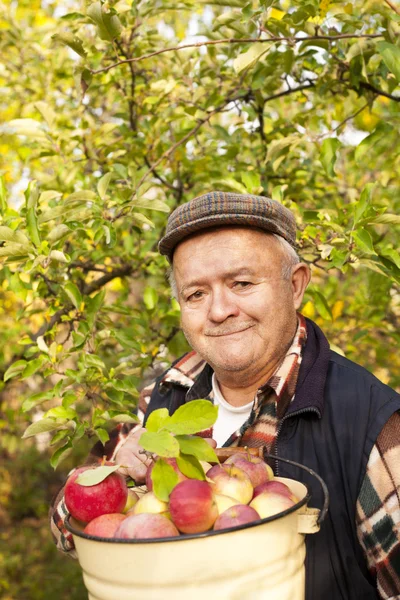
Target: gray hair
(291,258)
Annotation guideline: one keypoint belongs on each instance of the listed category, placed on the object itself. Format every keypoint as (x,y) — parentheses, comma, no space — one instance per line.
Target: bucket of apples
(207,521)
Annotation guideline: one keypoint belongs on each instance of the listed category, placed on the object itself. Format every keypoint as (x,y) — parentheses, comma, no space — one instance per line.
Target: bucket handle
(324,510)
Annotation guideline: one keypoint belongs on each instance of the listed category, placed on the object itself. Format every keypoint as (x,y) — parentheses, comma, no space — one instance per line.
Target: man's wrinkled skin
(238,312)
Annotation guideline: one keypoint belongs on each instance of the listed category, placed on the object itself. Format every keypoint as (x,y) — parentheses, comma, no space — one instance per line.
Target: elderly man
(240,284)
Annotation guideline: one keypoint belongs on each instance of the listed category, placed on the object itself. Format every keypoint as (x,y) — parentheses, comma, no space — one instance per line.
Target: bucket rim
(189,536)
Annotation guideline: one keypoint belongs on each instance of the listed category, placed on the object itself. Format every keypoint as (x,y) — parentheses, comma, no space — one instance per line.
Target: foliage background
(106,126)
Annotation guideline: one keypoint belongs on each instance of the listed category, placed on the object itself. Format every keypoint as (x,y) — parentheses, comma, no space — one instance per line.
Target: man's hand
(129,455)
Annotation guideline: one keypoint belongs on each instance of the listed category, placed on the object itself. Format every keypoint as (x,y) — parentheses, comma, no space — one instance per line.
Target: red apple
(105,525)
(149,503)
(254,466)
(236,515)
(146,526)
(85,503)
(170,461)
(276,487)
(231,481)
(192,506)
(268,504)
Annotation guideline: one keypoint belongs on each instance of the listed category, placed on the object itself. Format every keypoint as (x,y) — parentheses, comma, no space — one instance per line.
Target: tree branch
(372,88)
(350,117)
(393,7)
(292,40)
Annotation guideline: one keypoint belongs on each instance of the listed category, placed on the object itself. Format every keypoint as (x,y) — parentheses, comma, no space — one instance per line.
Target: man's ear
(301,276)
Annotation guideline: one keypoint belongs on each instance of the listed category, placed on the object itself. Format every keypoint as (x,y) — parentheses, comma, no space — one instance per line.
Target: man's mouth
(223,333)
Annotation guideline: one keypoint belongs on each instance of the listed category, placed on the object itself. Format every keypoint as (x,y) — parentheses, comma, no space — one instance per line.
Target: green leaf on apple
(192,417)
(198,447)
(190,466)
(96,475)
(164,479)
(157,420)
(162,443)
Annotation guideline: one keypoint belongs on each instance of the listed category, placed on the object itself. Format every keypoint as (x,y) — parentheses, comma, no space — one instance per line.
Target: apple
(149,503)
(170,461)
(276,487)
(85,503)
(104,525)
(192,506)
(236,515)
(131,500)
(268,504)
(231,481)
(224,502)
(145,526)
(254,466)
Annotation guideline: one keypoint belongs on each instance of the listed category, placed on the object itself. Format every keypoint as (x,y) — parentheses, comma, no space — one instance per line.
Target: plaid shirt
(378,505)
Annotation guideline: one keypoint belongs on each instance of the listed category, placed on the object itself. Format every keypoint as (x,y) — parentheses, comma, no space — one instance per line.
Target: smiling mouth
(224,334)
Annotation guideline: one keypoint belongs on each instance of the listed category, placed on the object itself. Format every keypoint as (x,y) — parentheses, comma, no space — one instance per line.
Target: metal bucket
(263,560)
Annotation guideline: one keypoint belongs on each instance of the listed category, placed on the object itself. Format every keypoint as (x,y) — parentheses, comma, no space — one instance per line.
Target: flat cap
(218,209)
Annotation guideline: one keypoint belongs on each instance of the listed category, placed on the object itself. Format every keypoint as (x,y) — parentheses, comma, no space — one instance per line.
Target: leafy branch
(273,39)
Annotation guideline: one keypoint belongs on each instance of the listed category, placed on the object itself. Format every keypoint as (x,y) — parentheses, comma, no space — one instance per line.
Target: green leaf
(156,419)
(192,417)
(59,256)
(363,239)
(40,427)
(392,255)
(386,219)
(328,157)
(32,226)
(197,446)
(61,412)
(151,205)
(322,305)
(92,360)
(381,131)
(57,233)
(72,41)
(8,235)
(103,184)
(391,57)
(250,57)
(93,306)
(61,454)
(190,466)
(59,435)
(14,369)
(73,294)
(164,479)
(108,23)
(32,366)
(161,443)
(102,434)
(363,202)
(97,475)
(36,399)
(150,298)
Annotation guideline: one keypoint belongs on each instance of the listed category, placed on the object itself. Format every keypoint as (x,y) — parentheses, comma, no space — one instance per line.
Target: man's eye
(243,284)
(195,296)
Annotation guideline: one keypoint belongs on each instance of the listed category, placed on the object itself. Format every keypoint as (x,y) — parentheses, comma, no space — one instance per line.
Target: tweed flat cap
(217,209)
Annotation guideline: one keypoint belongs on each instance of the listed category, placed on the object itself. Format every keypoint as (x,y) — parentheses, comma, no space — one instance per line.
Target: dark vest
(331,426)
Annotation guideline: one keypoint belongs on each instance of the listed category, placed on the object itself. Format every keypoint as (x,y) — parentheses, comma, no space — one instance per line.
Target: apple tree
(114,113)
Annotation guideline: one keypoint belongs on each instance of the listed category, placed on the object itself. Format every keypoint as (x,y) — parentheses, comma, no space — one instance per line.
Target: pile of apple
(239,491)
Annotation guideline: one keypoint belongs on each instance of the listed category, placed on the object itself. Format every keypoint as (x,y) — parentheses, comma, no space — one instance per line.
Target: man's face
(237,311)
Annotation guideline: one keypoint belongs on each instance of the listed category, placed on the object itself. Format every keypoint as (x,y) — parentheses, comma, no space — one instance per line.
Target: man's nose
(222,306)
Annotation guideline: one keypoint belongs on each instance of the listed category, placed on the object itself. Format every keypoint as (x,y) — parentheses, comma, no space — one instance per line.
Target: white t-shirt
(230,418)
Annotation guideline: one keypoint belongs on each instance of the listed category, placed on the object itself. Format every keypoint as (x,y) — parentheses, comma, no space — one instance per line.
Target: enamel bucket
(262,560)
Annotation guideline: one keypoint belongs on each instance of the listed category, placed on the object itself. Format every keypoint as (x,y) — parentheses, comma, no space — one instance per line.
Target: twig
(292,40)
(349,118)
(393,7)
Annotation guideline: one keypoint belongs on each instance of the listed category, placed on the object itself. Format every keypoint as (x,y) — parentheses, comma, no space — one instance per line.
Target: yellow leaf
(337,309)
(275,13)
(308,310)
